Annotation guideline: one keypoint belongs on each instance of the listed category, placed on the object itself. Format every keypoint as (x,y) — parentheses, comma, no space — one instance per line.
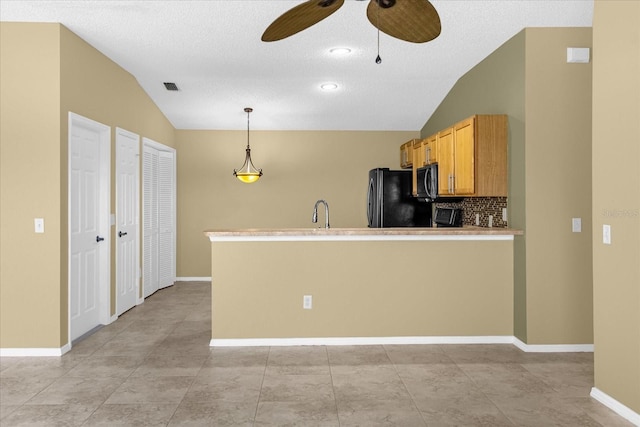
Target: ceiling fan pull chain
(378,59)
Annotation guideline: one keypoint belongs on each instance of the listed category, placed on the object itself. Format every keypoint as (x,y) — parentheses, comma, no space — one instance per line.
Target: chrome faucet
(314,218)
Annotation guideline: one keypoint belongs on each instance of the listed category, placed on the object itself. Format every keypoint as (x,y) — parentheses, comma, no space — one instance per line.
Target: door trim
(104,201)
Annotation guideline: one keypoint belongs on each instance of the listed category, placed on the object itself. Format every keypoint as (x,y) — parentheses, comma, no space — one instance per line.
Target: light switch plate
(576,225)
(606,234)
(307,302)
(39,225)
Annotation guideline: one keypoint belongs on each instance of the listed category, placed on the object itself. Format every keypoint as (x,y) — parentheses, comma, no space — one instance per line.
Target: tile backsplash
(484,206)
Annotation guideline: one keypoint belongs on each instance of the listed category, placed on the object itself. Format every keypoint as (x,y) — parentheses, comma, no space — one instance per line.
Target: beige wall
(299,168)
(360,290)
(549,108)
(558,188)
(616,199)
(48,71)
(30,264)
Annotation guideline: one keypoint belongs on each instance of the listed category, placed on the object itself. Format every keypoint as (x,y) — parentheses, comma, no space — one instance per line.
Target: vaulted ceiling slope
(212,50)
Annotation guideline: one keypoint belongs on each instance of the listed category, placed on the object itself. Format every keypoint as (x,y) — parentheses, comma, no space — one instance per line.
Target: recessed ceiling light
(329,86)
(339,51)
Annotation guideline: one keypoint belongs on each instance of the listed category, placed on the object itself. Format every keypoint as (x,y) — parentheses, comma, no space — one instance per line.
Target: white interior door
(88,225)
(150,220)
(127,219)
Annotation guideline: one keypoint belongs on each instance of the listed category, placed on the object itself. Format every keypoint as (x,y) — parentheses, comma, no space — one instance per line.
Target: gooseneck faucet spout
(314,218)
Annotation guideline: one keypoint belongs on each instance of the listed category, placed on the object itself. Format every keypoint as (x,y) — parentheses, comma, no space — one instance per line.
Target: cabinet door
(406,155)
(424,152)
(417,162)
(445,161)
(432,149)
(464,166)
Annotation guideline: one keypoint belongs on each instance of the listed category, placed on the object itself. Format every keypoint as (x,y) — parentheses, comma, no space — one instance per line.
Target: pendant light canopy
(248,173)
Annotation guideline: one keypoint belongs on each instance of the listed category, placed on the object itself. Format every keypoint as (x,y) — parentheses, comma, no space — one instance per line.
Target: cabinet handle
(120,234)
(99,239)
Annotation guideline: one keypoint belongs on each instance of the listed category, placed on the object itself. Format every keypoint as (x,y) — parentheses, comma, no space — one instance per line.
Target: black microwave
(427,182)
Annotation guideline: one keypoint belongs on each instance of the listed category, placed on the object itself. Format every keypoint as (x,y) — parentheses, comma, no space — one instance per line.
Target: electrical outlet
(576,225)
(504,214)
(477,219)
(307,302)
(606,234)
(490,220)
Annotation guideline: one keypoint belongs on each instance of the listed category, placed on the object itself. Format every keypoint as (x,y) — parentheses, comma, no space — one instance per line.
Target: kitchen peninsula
(361,285)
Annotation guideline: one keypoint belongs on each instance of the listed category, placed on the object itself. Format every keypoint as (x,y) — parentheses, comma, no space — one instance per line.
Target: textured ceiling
(212,50)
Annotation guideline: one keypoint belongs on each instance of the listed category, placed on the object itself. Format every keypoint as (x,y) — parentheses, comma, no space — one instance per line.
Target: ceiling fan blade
(300,18)
(414,21)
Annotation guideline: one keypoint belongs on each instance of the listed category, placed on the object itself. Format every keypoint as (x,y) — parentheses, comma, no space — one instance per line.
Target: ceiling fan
(414,21)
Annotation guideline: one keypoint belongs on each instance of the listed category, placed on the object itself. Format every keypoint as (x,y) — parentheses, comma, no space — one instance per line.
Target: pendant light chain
(248,111)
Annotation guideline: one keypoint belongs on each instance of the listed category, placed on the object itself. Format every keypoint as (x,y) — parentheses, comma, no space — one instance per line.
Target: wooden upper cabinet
(491,155)
(463,181)
(472,157)
(445,161)
(406,154)
(418,160)
(431,149)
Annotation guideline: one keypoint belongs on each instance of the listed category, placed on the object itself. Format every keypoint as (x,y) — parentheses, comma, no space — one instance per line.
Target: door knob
(120,234)
(99,239)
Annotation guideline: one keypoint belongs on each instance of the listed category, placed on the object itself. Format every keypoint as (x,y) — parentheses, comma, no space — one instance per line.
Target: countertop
(400,233)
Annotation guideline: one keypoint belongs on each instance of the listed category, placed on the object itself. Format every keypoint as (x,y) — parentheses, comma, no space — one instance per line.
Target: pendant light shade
(248,173)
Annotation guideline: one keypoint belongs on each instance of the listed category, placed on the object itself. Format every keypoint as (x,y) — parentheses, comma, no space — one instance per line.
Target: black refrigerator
(390,203)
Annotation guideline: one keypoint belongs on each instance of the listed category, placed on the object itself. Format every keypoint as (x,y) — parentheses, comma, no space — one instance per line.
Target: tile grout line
(333,389)
(415,405)
(483,393)
(264,374)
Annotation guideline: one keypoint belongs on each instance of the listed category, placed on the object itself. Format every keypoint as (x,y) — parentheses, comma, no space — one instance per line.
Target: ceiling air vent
(170,86)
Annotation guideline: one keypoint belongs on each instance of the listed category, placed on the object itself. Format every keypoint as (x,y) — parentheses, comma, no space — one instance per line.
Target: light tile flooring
(153,366)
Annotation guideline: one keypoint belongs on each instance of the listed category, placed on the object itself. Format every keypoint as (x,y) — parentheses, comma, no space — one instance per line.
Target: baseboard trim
(278,342)
(615,406)
(193,279)
(553,348)
(35,352)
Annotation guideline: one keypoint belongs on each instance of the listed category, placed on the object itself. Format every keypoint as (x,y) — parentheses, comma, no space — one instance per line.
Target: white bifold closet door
(159,217)
(166,219)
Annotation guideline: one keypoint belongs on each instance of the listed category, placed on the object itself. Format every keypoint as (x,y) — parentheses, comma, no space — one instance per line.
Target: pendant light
(248,173)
